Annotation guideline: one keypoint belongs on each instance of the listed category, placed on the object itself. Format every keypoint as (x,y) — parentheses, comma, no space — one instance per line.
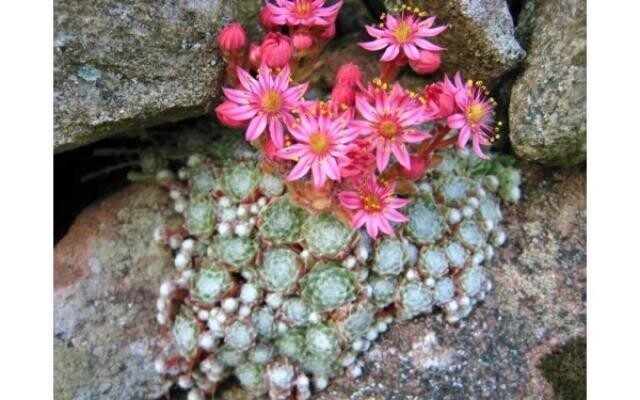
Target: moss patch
(566,369)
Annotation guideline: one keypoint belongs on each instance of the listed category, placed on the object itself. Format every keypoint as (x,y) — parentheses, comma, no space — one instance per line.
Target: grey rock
(107,272)
(480,40)
(120,65)
(547,115)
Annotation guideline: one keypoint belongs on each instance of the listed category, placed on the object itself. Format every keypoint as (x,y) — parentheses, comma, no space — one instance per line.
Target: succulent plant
(296,296)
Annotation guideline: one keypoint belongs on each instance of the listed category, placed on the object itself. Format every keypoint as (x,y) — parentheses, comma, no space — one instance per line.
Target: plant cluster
(354,211)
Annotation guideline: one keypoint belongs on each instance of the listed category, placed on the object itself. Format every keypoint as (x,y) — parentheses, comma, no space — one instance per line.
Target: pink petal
(477,149)
(384,225)
(456,121)
(300,169)
(241,112)
(398,203)
(331,168)
(365,109)
(413,136)
(402,155)
(411,51)
(235,95)
(247,80)
(350,200)
(359,219)
(276,131)
(463,137)
(392,22)
(395,216)
(374,45)
(256,127)
(391,53)
(427,45)
(375,32)
(293,152)
(372,228)
(382,156)
(319,176)
(426,31)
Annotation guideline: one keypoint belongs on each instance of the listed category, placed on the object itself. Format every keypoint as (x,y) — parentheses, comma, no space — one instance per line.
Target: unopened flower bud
(255,55)
(277,50)
(428,62)
(349,74)
(266,19)
(418,167)
(233,38)
(328,32)
(343,95)
(302,40)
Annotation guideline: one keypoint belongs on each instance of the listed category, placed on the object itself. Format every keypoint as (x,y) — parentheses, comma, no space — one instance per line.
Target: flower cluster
(356,147)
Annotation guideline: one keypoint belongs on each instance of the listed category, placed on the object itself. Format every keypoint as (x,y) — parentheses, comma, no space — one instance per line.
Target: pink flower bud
(255,55)
(428,62)
(266,19)
(223,116)
(302,40)
(349,74)
(418,167)
(277,50)
(439,100)
(232,38)
(271,150)
(343,95)
(328,32)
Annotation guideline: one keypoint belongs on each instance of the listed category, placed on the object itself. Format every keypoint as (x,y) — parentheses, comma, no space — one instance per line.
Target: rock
(107,272)
(538,304)
(124,65)
(480,39)
(548,101)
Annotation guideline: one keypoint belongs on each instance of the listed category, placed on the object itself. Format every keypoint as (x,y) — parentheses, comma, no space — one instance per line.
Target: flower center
(371,203)
(271,101)
(388,129)
(475,113)
(402,32)
(318,143)
(302,8)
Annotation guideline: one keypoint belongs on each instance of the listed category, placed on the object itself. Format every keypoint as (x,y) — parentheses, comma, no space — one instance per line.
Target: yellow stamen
(388,129)
(371,203)
(271,101)
(402,32)
(476,113)
(318,143)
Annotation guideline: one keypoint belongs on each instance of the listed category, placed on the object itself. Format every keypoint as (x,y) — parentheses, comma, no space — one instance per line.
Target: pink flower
(406,33)
(475,119)
(322,145)
(428,62)
(374,206)
(276,50)
(439,100)
(388,119)
(266,102)
(303,12)
(232,38)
